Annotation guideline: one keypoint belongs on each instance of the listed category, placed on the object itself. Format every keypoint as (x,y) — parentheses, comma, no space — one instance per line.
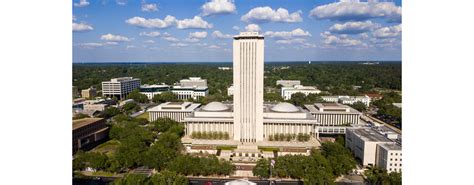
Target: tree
(318,170)
(109,112)
(165,97)
(131,107)
(272,97)
(163,124)
(314,98)
(262,168)
(298,99)
(359,106)
(339,157)
(137,96)
(158,155)
(168,178)
(376,176)
(395,178)
(130,179)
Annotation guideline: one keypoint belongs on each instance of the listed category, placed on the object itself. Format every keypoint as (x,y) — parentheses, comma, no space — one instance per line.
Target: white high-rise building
(248,60)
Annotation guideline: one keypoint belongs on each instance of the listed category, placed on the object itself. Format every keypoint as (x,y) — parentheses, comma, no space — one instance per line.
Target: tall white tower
(248,86)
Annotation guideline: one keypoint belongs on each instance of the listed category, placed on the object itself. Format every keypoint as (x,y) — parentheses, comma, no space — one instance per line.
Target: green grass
(226,147)
(108,147)
(144,115)
(103,174)
(268,149)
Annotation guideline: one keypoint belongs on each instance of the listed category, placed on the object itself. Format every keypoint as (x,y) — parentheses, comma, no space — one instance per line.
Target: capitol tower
(248,54)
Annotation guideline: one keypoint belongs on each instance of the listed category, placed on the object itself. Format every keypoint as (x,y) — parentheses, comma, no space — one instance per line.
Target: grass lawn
(108,147)
(103,174)
(144,115)
(226,147)
(269,149)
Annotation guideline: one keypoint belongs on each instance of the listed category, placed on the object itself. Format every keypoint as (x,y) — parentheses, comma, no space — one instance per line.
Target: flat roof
(314,108)
(391,146)
(368,134)
(175,106)
(78,123)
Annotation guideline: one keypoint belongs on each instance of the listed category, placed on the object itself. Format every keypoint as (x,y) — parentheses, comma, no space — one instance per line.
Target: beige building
(287,92)
(174,110)
(389,157)
(120,87)
(248,57)
(90,92)
(334,117)
(364,142)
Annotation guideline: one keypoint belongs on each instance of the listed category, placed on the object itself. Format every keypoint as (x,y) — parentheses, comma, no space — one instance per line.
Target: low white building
(193,81)
(287,92)
(288,83)
(174,110)
(120,87)
(151,90)
(389,157)
(348,99)
(230,90)
(187,92)
(373,148)
(334,114)
(95,107)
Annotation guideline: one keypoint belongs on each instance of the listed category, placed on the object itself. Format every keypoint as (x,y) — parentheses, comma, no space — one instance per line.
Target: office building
(188,92)
(151,90)
(193,82)
(363,142)
(248,57)
(333,118)
(90,92)
(389,157)
(287,92)
(288,83)
(87,131)
(120,87)
(349,100)
(174,110)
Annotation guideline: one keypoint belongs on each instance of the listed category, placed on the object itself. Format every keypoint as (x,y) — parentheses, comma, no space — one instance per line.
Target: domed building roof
(284,107)
(215,106)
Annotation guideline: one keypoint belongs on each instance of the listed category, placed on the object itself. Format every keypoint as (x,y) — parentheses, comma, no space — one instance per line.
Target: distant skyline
(201,31)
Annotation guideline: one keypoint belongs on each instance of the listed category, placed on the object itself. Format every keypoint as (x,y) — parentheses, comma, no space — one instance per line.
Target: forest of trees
(335,77)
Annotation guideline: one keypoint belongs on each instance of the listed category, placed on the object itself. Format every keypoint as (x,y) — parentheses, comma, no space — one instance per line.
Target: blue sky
(201,30)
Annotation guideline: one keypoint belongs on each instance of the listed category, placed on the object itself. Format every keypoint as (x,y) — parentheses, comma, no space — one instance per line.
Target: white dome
(215,106)
(285,107)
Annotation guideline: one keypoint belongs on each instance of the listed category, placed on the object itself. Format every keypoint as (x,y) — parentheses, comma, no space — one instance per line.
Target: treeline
(156,145)
(289,137)
(336,78)
(210,135)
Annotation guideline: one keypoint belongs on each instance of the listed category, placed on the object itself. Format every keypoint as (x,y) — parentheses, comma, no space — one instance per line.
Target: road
(385,124)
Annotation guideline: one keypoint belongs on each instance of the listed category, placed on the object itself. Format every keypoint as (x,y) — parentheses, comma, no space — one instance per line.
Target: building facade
(334,114)
(90,92)
(174,110)
(120,87)
(193,82)
(190,92)
(288,83)
(389,157)
(87,131)
(248,57)
(348,99)
(287,92)
(151,90)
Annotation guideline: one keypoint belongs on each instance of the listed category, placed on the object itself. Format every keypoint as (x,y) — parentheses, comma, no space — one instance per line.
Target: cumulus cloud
(130,46)
(291,41)
(267,14)
(388,32)
(340,40)
(235,28)
(179,44)
(149,7)
(287,34)
(252,27)
(198,35)
(91,45)
(213,47)
(357,11)
(114,38)
(149,41)
(196,23)
(121,2)
(81,27)
(152,23)
(82,3)
(168,37)
(353,27)
(220,35)
(150,34)
(215,7)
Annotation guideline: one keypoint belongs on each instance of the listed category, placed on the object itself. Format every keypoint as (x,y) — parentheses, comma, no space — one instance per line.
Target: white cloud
(168,37)
(308,45)
(235,28)
(149,41)
(291,41)
(340,40)
(215,7)
(252,27)
(387,32)
(149,7)
(90,45)
(267,14)
(196,23)
(179,44)
(82,3)
(220,35)
(150,34)
(287,34)
(166,34)
(356,10)
(353,27)
(81,27)
(114,38)
(152,23)
(198,35)
(121,2)
(191,40)
(214,47)
(130,46)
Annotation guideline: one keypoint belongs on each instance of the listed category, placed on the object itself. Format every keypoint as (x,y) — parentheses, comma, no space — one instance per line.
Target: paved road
(205,181)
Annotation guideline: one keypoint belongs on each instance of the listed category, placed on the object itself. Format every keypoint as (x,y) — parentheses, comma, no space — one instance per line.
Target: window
(390,169)
(395,164)
(396,159)
(390,164)
(391,159)
(396,153)
(391,153)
